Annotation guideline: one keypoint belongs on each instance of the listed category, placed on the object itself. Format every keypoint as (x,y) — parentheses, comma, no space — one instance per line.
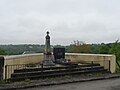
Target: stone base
(48,63)
(48,59)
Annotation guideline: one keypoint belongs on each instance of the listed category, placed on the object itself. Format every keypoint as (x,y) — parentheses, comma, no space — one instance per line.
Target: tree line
(76,47)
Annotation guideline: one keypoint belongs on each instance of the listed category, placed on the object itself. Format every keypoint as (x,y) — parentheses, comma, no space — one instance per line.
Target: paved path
(110,84)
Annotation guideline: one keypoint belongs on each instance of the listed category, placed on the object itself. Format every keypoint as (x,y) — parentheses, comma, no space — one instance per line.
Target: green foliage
(117,66)
(78,47)
(3,82)
(2,52)
(19,49)
(101,48)
(85,48)
(115,49)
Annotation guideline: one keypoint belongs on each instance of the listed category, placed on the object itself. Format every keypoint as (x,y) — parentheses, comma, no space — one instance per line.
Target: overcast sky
(26,21)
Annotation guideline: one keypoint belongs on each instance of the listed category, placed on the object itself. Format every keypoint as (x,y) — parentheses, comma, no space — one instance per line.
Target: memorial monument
(48,57)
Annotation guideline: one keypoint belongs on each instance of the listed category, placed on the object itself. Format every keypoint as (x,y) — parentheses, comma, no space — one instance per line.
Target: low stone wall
(23,59)
(108,61)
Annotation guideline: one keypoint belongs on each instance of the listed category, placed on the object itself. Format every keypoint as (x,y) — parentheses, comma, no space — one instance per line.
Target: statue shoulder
(47,37)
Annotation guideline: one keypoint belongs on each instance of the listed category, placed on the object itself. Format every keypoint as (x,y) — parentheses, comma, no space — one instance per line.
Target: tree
(80,47)
(2,52)
(115,49)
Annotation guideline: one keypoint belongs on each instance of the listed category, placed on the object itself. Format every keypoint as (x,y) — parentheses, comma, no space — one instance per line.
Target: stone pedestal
(48,57)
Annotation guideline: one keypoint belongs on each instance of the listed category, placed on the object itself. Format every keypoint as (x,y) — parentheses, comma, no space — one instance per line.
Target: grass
(3,82)
(117,67)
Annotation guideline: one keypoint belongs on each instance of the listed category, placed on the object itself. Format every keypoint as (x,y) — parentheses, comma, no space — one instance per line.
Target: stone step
(38,76)
(53,68)
(55,71)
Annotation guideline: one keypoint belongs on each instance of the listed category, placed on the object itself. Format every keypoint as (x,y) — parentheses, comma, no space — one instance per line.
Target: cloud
(26,21)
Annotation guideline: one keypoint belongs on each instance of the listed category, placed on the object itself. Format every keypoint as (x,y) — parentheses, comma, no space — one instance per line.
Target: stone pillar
(48,58)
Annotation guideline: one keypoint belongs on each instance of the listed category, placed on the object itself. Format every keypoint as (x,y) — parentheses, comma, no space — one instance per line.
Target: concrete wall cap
(89,54)
(24,55)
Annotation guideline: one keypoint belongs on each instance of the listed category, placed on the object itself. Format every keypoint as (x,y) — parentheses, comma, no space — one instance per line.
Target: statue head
(47,37)
(47,32)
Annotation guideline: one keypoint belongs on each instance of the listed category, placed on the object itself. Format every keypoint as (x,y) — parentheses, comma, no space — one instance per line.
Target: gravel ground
(109,84)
